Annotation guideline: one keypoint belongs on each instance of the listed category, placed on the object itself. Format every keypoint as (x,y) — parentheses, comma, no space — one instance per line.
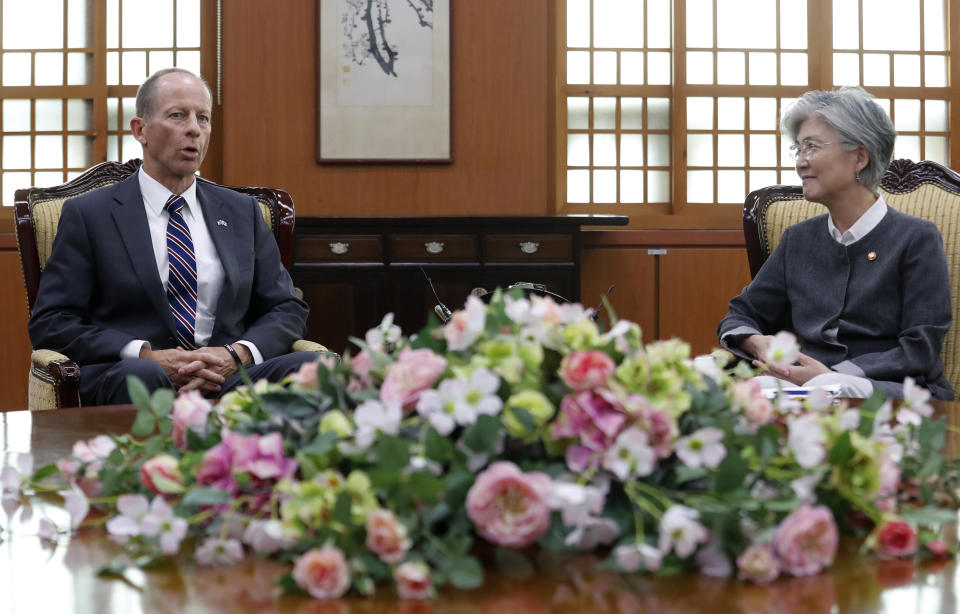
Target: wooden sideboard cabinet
(352,271)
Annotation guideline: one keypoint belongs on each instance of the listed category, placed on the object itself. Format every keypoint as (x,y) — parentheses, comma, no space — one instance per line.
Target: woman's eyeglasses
(809,149)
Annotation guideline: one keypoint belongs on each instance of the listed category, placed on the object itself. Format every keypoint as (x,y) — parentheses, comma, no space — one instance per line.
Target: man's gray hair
(148,89)
(855,114)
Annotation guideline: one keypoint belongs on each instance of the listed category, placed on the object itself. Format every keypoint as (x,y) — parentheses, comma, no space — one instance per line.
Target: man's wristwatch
(233,353)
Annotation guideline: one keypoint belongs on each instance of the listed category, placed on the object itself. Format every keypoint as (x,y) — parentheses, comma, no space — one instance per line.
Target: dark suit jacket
(100,288)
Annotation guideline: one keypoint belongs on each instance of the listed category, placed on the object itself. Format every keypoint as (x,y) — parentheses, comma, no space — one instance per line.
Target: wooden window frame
(678,213)
(99,92)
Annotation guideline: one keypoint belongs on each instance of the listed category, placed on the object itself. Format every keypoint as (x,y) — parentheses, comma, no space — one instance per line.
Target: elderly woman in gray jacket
(864,287)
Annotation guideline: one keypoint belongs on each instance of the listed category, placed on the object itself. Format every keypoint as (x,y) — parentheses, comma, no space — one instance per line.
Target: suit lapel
(131,220)
(217,216)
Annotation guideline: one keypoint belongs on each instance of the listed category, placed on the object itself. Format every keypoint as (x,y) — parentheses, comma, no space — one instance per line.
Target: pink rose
(360,365)
(386,536)
(897,539)
(806,540)
(661,431)
(748,398)
(413,580)
(414,372)
(595,417)
(161,475)
(306,375)
(509,507)
(322,572)
(216,469)
(190,411)
(758,564)
(937,548)
(586,370)
(260,455)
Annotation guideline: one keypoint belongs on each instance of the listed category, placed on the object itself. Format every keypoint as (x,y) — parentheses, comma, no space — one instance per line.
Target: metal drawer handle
(434,247)
(339,248)
(529,247)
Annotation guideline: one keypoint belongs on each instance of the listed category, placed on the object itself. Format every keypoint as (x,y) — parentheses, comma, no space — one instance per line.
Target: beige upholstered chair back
(37,212)
(925,189)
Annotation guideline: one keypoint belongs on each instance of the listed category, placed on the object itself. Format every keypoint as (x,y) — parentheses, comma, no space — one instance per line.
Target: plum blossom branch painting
(384,83)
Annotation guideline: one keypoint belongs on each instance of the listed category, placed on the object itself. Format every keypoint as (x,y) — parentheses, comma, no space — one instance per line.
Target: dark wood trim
(661,238)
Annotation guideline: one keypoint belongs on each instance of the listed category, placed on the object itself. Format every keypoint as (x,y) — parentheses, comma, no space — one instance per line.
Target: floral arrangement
(515,423)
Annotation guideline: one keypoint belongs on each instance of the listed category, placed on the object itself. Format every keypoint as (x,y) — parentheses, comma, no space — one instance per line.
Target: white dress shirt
(209,269)
(867,222)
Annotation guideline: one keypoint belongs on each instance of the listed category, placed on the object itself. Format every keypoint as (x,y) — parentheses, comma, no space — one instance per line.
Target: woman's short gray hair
(855,114)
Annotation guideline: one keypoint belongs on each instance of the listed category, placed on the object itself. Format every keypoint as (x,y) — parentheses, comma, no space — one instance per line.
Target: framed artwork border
(386,131)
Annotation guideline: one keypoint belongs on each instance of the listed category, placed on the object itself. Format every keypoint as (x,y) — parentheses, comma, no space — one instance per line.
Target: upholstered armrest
(302,345)
(54,381)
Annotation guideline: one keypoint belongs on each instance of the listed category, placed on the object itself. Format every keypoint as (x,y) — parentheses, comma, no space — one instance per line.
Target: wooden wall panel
(500,120)
(695,286)
(633,272)
(14,342)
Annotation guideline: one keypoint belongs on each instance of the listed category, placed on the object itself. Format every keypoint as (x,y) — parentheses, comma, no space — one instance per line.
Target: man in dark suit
(164,277)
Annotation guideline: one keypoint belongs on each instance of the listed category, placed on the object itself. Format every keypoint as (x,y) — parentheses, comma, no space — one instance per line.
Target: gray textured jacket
(891,312)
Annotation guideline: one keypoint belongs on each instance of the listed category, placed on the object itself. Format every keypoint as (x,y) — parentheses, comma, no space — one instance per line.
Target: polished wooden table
(40,578)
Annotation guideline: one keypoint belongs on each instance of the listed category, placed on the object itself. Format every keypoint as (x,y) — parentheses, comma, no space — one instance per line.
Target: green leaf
(523,417)
(927,516)
(44,472)
(932,435)
(144,424)
(931,467)
(165,425)
(341,510)
(466,572)
(392,452)
(384,478)
(162,401)
(154,445)
(769,441)
(288,585)
(437,448)
(425,487)
(206,496)
(138,392)
(731,472)
(321,444)
(842,450)
(308,468)
(436,513)
(482,435)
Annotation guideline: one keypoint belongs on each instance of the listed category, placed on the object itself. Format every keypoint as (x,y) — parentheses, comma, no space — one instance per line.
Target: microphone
(442,311)
(596,312)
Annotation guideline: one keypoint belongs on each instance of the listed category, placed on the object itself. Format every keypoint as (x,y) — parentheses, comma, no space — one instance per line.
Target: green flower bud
(335,421)
(582,334)
(535,404)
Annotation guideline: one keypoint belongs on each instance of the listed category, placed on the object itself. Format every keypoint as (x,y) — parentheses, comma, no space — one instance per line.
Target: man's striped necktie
(182,282)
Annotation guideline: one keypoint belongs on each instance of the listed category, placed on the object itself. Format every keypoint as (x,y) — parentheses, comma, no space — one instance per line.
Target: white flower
(713,562)
(819,399)
(46,529)
(592,533)
(214,551)
(634,557)
(850,419)
(680,531)
(12,479)
(915,406)
(459,401)
(806,440)
(162,521)
(267,536)
(76,504)
(630,455)
(465,325)
(703,448)
(422,463)
(707,366)
(132,509)
(783,350)
(372,417)
(803,486)
(383,335)
(517,309)
(577,502)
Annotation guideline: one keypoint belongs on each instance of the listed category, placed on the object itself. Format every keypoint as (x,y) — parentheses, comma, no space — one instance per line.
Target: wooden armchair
(54,378)
(923,189)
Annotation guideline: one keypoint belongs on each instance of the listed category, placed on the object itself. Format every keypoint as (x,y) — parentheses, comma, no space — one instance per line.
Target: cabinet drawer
(433,248)
(529,248)
(340,248)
